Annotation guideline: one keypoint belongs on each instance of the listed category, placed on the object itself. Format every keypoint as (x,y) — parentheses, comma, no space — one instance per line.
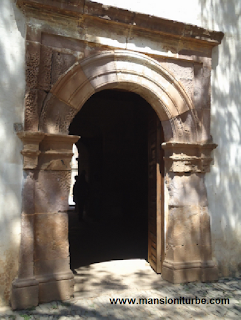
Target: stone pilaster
(44,269)
(188,239)
(51,261)
(25,290)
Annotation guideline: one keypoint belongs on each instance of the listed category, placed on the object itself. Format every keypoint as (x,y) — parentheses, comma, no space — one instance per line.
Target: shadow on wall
(224,181)
(11,109)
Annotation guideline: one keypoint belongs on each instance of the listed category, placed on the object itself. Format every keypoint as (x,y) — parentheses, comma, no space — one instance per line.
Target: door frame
(44,272)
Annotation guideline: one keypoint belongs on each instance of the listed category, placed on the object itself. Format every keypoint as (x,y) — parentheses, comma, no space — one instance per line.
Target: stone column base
(25,294)
(56,290)
(28,293)
(182,272)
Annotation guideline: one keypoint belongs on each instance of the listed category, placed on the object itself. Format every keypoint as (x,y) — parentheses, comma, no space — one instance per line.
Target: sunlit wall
(12,84)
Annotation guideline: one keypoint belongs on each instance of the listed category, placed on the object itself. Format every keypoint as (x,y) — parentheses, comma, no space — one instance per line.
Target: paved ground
(98,283)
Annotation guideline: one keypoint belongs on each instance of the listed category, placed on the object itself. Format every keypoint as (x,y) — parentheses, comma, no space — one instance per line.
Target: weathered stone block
(67,88)
(184,253)
(44,265)
(52,191)
(51,234)
(28,194)
(205,227)
(30,150)
(56,116)
(26,247)
(31,120)
(184,226)
(61,63)
(25,297)
(187,190)
(56,290)
(32,64)
(181,275)
(44,76)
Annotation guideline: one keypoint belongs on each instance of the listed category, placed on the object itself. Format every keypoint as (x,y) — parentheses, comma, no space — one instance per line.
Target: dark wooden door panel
(155,193)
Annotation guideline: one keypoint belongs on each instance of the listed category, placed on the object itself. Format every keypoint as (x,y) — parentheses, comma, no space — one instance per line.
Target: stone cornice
(81,8)
(46,151)
(188,157)
(30,150)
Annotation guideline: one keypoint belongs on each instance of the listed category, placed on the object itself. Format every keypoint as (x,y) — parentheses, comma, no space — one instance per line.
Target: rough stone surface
(32,64)
(26,247)
(61,63)
(56,116)
(56,290)
(31,110)
(51,245)
(187,190)
(44,77)
(25,297)
(52,191)
(28,194)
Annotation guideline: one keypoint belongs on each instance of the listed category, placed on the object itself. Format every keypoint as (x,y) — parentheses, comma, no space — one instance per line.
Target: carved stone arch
(123,70)
(44,265)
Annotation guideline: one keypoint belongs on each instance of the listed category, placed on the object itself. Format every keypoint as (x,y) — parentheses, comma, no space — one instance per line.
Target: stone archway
(122,70)
(44,271)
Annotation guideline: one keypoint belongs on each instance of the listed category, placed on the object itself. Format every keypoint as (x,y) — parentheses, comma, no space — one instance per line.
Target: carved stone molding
(77,8)
(30,150)
(188,157)
(56,152)
(46,151)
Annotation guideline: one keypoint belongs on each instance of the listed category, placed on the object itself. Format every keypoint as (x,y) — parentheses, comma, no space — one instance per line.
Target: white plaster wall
(12,85)
(224,181)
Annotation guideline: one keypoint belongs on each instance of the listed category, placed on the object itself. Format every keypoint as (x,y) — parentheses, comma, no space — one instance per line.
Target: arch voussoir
(130,71)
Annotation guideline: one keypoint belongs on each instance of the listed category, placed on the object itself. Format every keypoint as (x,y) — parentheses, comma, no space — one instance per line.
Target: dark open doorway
(113,126)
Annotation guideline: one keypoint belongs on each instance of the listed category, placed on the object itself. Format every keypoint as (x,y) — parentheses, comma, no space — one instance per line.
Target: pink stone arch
(121,70)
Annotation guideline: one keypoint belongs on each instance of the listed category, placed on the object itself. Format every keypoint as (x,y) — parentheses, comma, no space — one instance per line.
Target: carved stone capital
(30,150)
(46,151)
(56,152)
(188,157)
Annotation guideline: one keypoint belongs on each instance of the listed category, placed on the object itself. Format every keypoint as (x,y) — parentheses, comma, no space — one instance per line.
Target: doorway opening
(113,153)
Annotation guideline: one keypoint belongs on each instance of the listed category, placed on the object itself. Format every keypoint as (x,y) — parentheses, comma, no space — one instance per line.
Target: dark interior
(113,129)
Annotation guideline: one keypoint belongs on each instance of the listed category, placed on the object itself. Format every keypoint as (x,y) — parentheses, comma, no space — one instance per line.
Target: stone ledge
(46,151)
(77,8)
(30,150)
(188,157)
(189,272)
(55,277)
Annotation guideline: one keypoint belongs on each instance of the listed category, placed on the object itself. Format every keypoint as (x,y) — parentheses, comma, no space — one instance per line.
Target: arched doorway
(47,153)
(113,126)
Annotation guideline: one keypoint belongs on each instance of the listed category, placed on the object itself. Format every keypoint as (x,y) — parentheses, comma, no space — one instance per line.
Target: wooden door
(155,193)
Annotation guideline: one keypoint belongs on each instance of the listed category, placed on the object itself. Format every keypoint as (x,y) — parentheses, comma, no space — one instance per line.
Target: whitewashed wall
(12,84)
(224,181)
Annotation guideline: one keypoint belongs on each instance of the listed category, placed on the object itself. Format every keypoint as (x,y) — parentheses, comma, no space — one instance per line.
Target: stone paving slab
(99,307)
(98,283)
